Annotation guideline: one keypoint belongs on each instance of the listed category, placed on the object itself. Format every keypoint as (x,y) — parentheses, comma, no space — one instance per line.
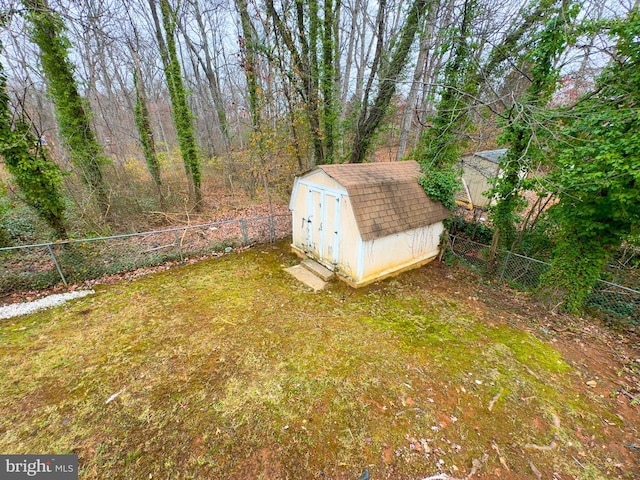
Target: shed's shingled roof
(386,197)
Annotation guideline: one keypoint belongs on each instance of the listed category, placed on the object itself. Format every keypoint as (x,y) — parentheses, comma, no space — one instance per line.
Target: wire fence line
(42,265)
(612,300)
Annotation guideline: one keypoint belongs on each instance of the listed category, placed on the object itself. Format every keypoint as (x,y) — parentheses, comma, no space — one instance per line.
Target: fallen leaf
(387,454)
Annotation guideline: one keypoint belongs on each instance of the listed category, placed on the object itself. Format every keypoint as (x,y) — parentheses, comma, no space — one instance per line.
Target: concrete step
(305,276)
(317,269)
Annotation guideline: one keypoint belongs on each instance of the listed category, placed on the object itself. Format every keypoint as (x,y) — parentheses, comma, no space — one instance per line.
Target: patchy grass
(231,369)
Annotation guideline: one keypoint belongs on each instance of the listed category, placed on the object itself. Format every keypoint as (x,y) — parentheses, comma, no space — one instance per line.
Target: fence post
(55,262)
(178,244)
(272,229)
(243,228)
(504,267)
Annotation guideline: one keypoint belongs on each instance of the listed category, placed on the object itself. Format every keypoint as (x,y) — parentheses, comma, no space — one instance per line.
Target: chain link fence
(616,301)
(521,271)
(612,300)
(30,267)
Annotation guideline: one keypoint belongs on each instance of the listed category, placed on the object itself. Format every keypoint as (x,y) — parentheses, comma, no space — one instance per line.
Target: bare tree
(370,118)
(202,52)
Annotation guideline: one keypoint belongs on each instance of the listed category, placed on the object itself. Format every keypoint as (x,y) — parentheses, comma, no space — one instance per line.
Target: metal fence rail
(522,271)
(616,301)
(47,264)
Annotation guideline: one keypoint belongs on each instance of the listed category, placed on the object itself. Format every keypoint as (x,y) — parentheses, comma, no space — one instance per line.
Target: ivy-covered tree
(519,133)
(143,124)
(26,159)
(440,147)
(441,144)
(596,176)
(468,78)
(72,112)
(182,116)
(328,79)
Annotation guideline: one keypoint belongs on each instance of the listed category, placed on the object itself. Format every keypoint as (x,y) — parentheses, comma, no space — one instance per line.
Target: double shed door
(323,226)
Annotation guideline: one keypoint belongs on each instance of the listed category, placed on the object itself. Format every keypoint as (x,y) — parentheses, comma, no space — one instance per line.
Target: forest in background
(120,116)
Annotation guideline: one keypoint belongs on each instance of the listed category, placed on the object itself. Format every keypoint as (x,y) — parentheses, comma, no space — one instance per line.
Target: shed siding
(476,172)
(386,255)
(348,240)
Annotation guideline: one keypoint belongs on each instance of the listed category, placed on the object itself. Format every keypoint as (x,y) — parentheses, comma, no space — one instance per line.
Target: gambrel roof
(386,197)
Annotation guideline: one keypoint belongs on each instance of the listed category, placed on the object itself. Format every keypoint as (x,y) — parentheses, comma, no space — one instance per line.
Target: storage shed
(477,169)
(365,221)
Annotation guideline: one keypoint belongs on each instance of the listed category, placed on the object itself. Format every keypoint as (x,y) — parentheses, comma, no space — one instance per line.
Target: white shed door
(323,221)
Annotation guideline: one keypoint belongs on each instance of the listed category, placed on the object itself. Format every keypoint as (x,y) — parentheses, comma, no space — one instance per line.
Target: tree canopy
(595,160)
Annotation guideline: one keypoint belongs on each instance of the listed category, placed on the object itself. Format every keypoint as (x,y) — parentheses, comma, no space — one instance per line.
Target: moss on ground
(231,369)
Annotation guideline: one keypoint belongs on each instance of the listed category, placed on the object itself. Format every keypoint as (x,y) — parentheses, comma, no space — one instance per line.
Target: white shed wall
(476,173)
(383,256)
(349,241)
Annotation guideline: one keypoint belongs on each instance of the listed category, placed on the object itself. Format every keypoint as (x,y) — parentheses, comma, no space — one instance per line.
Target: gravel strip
(16,309)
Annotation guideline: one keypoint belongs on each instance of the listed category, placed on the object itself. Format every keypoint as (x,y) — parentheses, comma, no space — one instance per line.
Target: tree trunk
(370,120)
(73,117)
(143,123)
(328,81)
(212,78)
(247,46)
(305,68)
(344,90)
(412,97)
(181,112)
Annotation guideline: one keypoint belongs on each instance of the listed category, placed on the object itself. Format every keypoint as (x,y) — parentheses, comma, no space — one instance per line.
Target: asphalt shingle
(386,197)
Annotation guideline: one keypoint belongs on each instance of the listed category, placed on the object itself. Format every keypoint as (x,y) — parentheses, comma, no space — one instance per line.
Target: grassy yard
(230,369)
